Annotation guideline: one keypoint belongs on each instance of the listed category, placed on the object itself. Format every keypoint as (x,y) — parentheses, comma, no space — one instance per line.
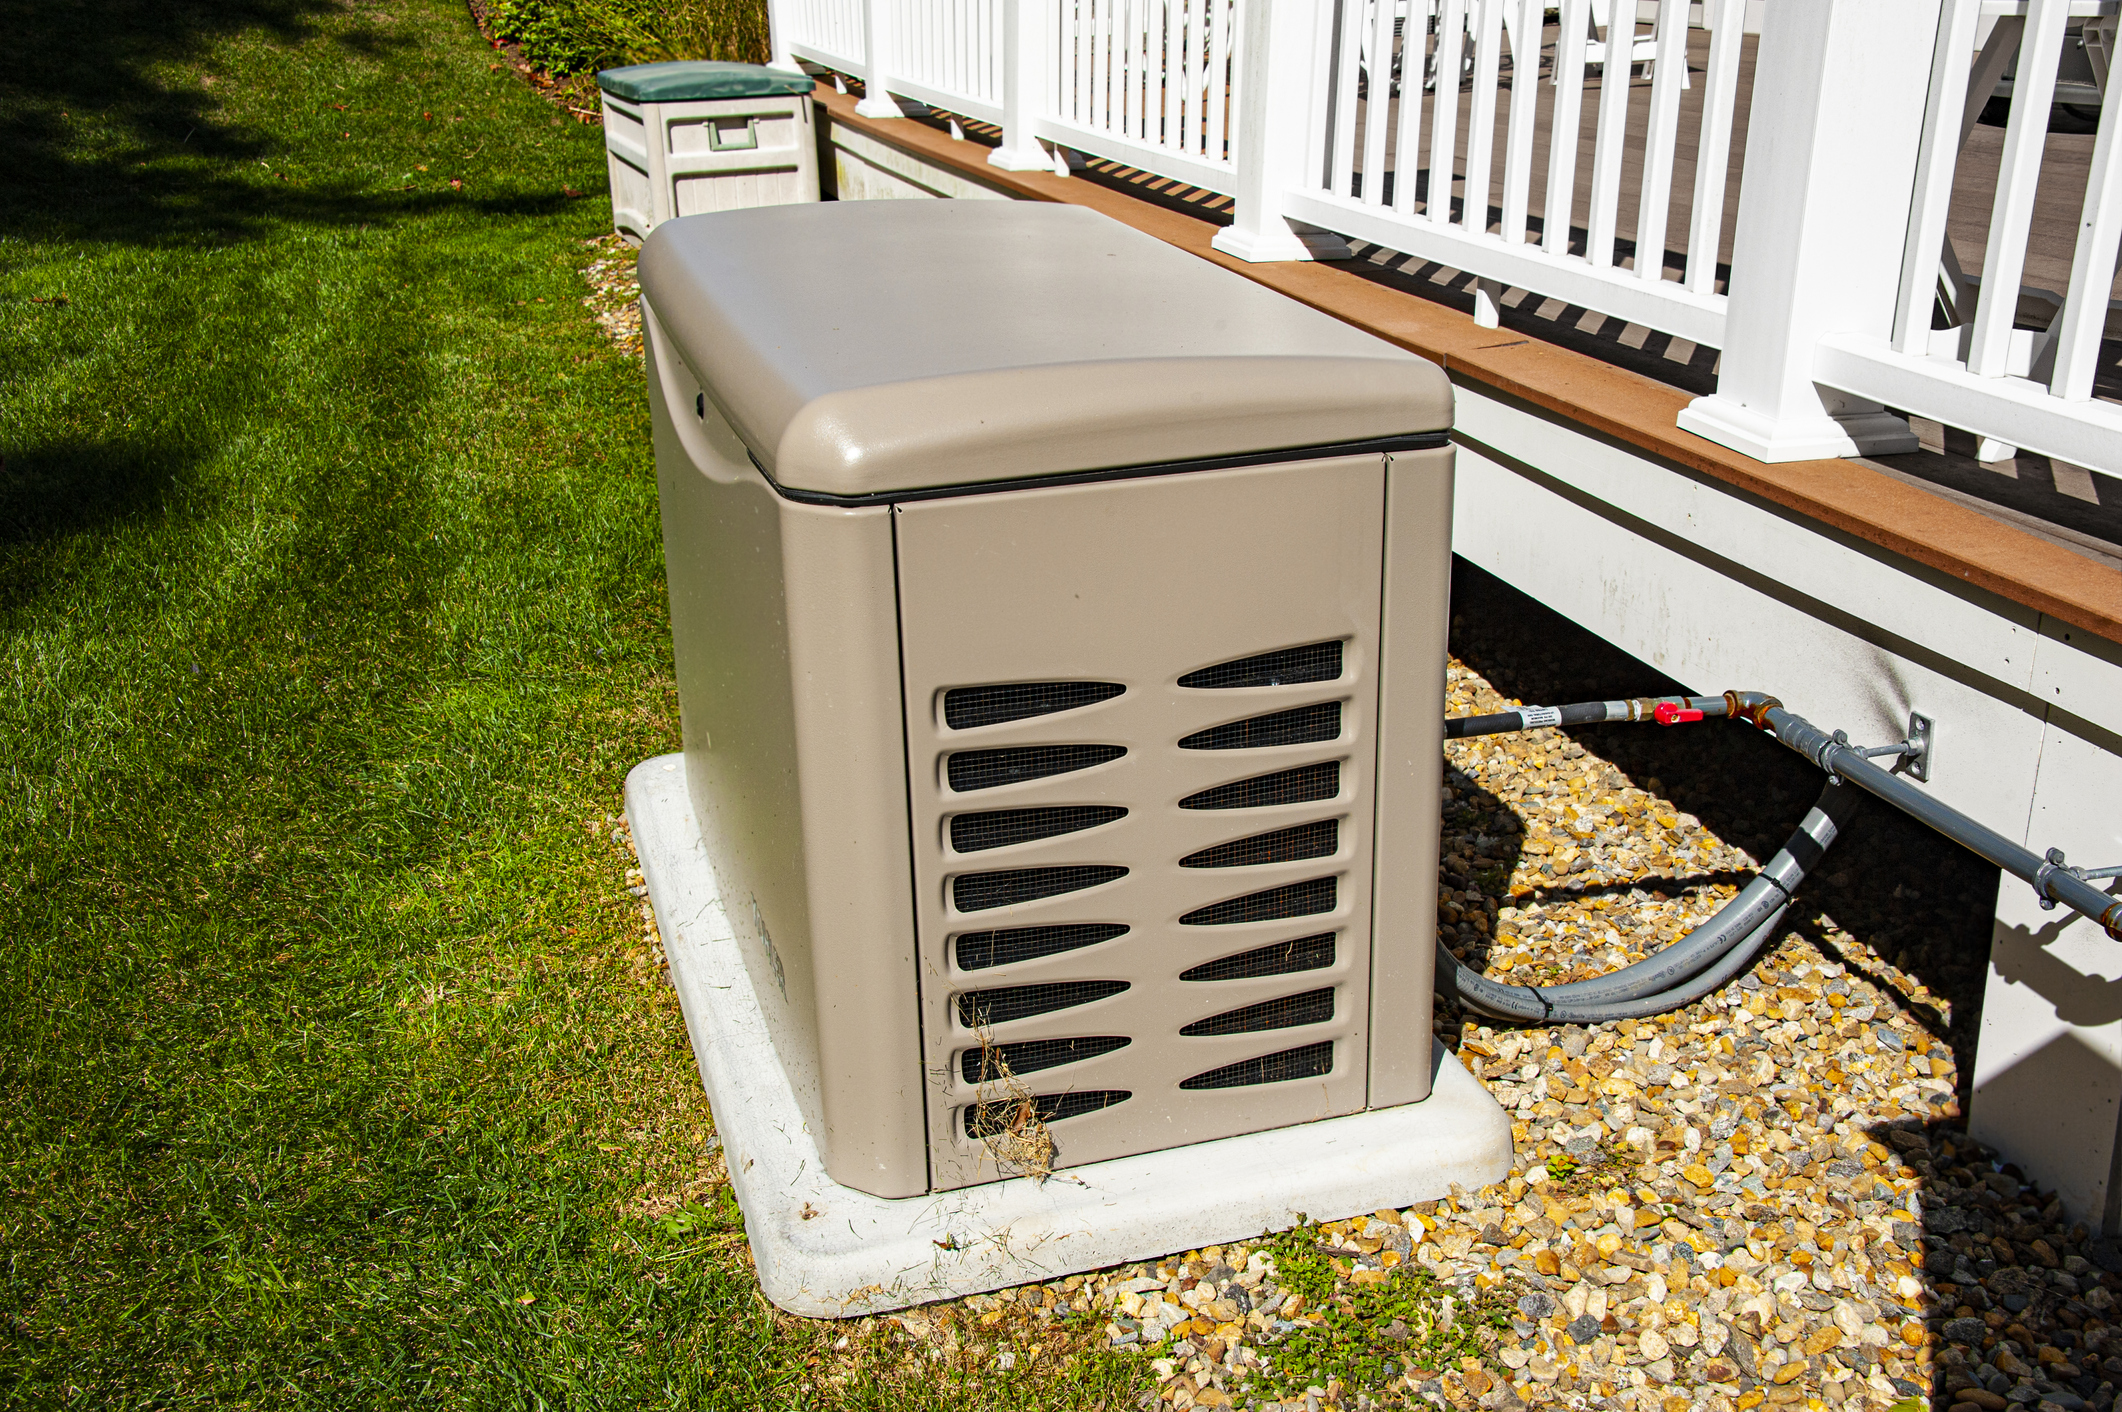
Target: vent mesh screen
(984,1118)
(1306,953)
(1303,785)
(984,769)
(1029,1056)
(970,706)
(1311,1062)
(1306,725)
(978,892)
(999,828)
(979,950)
(1314,1007)
(1282,846)
(1293,900)
(1018,1002)
(1317,661)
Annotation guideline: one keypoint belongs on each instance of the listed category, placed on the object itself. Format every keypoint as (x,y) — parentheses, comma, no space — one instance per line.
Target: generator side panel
(1141,746)
(1414,636)
(785,636)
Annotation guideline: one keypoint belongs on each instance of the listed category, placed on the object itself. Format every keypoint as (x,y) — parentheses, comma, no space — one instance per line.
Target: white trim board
(859,1254)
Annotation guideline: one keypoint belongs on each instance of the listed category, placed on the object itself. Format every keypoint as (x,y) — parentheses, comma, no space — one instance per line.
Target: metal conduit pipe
(1709,956)
(1682,973)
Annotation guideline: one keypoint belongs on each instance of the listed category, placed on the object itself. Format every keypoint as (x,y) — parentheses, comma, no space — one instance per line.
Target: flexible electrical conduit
(1712,954)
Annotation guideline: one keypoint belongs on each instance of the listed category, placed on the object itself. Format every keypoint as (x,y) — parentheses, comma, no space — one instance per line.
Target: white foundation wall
(1720,589)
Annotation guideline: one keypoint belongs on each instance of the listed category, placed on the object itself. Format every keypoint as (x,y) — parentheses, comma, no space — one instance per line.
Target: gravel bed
(614,298)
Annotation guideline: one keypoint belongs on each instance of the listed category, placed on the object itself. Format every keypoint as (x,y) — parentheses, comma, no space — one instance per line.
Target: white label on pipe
(1534,717)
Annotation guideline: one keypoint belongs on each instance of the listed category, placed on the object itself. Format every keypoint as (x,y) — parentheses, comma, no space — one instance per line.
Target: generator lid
(862,348)
(699,80)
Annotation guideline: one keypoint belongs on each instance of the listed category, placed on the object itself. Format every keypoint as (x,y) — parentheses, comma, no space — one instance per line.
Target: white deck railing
(1321,119)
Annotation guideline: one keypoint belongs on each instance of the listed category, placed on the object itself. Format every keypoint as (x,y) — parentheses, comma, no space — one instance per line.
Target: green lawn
(332,1069)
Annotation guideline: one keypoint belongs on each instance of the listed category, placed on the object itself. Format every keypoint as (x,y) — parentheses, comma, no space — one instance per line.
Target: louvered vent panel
(1306,953)
(1020,1002)
(969,707)
(1292,666)
(982,892)
(1282,846)
(983,1066)
(1302,899)
(979,950)
(986,769)
(1305,725)
(1304,785)
(1000,828)
(1284,1012)
(994,1119)
(1313,1061)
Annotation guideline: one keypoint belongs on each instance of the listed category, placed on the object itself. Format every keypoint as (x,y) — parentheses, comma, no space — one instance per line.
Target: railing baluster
(1524,109)
(2092,267)
(1349,33)
(1168,73)
(2018,173)
(1407,158)
(1378,103)
(1713,149)
(1193,103)
(1613,133)
(1568,120)
(1219,78)
(1444,125)
(1655,199)
(1481,121)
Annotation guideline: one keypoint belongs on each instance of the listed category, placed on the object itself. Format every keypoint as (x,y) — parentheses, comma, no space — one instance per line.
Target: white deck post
(1279,59)
(777,40)
(1839,93)
(877,55)
(1024,62)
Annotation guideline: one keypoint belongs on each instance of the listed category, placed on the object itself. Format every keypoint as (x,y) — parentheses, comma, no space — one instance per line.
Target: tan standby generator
(1060,633)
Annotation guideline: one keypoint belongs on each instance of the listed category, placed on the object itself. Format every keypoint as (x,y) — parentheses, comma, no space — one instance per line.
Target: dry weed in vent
(1006,1116)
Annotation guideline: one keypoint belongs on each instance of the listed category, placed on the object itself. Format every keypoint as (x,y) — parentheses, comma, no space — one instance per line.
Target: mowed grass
(332,1069)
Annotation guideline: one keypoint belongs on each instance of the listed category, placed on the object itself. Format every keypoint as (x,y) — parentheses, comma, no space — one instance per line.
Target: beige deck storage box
(685,138)
(1060,631)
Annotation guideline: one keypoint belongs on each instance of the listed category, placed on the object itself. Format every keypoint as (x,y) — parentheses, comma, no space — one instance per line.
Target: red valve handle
(1672,713)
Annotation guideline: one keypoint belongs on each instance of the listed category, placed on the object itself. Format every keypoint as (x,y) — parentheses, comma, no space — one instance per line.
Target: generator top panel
(864,349)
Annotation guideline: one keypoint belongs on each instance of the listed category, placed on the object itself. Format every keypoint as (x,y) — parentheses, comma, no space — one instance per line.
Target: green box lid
(697,80)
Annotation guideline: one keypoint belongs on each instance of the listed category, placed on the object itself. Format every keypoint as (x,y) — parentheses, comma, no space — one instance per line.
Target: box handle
(730,139)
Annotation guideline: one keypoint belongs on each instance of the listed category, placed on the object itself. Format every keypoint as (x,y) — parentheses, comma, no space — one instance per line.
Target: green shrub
(570,36)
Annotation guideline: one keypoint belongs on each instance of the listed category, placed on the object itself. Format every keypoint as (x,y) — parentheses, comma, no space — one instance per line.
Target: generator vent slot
(1284,1012)
(1304,725)
(982,1119)
(1313,1061)
(1292,666)
(985,769)
(999,828)
(979,950)
(1021,1002)
(968,707)
(1306,953)
(1317,840)
(981,892)
(1301,899)
(1307,784)
(981,1066)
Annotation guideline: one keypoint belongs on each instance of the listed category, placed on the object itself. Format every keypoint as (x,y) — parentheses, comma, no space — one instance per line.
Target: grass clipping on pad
(1006,1116)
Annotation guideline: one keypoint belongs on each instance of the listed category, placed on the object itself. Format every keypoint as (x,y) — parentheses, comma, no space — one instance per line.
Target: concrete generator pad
(858,1254)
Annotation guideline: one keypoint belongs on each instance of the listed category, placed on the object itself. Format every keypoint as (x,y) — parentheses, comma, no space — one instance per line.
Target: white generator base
(828,1251)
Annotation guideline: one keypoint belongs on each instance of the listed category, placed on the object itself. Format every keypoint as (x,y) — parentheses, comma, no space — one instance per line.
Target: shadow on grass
(112,135)
(49,491)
